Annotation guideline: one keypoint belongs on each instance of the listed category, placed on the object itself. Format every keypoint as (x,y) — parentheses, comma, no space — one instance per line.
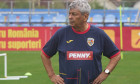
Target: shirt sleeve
(110,50)
(51,46)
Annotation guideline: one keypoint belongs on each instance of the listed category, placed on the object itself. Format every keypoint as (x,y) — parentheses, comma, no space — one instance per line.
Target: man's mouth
(71,21)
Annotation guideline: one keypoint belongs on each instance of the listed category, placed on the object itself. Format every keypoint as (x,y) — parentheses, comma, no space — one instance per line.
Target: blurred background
(50,12)
(26,25)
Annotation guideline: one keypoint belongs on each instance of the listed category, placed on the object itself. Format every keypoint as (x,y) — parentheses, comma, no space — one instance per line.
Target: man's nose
(70,16)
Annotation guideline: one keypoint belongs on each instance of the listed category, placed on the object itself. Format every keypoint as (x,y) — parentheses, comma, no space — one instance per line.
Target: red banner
(131,38)
(34,38)
(21,38)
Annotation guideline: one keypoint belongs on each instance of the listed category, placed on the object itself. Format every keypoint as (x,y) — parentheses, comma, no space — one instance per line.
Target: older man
(80,48)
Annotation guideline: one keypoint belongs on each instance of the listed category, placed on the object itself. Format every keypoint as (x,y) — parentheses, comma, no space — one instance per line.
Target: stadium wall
(34,38)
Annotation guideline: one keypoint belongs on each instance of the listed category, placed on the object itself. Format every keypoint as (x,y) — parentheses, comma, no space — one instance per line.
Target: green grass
(20,62)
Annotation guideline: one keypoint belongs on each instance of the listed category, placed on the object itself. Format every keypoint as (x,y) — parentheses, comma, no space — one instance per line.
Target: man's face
(76,18)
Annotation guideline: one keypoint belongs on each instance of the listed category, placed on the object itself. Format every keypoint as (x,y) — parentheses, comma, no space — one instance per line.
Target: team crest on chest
(90,41)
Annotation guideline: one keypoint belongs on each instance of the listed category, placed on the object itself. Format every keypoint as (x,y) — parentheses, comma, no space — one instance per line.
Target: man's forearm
(47,64)
(113,62)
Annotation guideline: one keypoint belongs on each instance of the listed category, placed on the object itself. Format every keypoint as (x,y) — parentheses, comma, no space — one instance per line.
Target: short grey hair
(81,5)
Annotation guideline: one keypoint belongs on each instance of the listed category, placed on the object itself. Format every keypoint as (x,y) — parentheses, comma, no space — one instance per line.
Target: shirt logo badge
(79,55)
(69,41)
(90,41)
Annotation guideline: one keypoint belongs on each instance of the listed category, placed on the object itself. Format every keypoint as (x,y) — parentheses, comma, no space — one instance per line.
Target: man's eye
(73,13)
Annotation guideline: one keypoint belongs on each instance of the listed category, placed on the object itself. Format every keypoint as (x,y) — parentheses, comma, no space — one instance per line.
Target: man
(80,48)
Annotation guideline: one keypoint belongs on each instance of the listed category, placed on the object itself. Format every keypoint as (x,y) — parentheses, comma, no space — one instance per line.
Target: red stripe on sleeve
(45,54)
(115,55)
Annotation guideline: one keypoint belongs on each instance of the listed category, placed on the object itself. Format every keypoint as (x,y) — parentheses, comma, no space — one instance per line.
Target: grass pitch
(20,62)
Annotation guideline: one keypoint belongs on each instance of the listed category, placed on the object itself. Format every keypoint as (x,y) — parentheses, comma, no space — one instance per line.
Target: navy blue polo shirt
(80,53)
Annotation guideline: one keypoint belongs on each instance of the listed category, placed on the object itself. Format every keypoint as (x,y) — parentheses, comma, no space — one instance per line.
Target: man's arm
(112,64)
(56,79)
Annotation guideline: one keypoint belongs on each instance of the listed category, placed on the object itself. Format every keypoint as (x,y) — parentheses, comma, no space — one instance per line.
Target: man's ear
(86,15)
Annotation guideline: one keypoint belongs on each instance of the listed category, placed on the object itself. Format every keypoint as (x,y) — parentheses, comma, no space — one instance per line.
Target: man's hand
(100,78)
(56,79)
